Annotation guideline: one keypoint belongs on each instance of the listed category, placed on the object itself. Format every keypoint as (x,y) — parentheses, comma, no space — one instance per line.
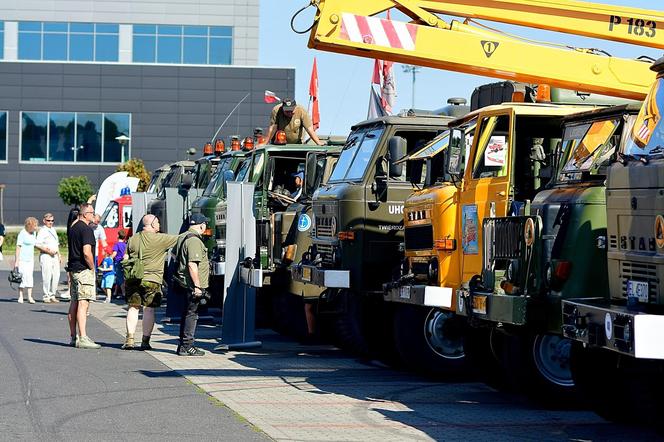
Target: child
(108,274)
(119,250)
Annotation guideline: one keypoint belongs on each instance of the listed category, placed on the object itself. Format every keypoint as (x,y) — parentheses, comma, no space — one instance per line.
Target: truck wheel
(349,324)
(540,366)
(429,340)
(287,314)
(483,348)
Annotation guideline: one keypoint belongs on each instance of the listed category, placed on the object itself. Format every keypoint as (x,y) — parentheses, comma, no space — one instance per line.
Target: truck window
(581,153)
(492,147)
(356,154)
(243,169)
(647,136)
(415,140)
(218,178)
(110,217)
(282,172)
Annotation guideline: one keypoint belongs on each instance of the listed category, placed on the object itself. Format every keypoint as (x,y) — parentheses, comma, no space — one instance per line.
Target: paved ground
(290,392)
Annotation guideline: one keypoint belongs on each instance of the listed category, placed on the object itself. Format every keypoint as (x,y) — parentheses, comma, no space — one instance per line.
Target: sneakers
(47,300)
(190,351)
(145,344)
(54,299)
(20,300)
(74,341)
(65,295)
(86,342)
(31,300)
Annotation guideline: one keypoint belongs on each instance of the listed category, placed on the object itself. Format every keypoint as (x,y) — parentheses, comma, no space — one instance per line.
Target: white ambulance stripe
(378,32)
(352,29)
(402,31)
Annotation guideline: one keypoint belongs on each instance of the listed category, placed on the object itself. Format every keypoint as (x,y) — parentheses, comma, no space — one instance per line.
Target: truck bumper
(309,274)
(424,295)
(599,323)
(492,307)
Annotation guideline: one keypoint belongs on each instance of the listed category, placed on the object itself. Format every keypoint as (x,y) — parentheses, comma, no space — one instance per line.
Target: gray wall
(172,107)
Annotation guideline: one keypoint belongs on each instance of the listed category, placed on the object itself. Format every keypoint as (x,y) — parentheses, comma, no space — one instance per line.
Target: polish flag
(313,96)
(271,97)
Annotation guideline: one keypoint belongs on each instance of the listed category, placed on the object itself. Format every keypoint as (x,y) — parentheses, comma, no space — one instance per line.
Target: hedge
(10,240)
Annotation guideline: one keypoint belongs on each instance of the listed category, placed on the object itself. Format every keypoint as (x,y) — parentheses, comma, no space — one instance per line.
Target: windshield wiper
(350,143)
(624,157)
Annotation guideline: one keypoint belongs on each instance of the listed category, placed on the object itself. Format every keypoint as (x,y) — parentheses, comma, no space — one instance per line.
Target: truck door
(486,185)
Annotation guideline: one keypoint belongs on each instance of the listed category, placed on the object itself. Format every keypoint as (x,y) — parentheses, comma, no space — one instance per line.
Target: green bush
(136,168)
(75,190)
(10,241)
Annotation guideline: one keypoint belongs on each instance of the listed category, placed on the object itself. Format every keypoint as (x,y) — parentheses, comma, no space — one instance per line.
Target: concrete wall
(172,108)
(241,14)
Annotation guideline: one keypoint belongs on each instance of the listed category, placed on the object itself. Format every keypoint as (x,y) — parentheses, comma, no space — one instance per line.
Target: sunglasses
(49,220)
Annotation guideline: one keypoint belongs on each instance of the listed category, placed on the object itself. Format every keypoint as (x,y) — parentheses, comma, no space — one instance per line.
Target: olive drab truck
(355,28)
(617,354)
(358,221)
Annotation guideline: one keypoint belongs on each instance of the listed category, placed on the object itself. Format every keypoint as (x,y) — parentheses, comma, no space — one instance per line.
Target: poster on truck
(469,230)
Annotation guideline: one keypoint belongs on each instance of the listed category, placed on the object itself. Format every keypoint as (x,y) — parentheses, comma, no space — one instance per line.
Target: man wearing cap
(292,119)
(151,246)
(299,180)
(191,276)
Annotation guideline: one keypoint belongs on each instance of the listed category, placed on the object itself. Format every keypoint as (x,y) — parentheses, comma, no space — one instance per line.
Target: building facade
(75,77)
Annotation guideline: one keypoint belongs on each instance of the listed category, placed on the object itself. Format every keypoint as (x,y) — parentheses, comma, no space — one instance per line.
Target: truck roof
(604,112)
(408,118)
(292,147)
(533,109)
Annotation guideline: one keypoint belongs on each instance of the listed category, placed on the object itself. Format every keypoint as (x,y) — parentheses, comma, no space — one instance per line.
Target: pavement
(282,391)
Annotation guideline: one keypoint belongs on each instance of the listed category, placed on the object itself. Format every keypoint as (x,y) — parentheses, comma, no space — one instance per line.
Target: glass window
(582,153)
(55,47)
(195,50)
(88,28)
(29,46)
(196,30)
(169,30)
(88,136)
(492,147)
(110,218)
(221,31)
(243,169)
(106,48)
(33,136)
(104,28)
(346,157)
(169,49)
(364,154)
(55,27)
(2,39)
(34,26)
(81,47)
(221,50)
(62,145)
(647,136)
(144,49)
(3,136)
(145,29)
(116,125)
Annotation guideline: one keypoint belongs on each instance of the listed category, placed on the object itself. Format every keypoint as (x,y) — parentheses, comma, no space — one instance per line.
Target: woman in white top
(49,258)
(25,257)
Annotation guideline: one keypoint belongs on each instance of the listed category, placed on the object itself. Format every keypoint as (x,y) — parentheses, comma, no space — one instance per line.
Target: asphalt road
(50,391)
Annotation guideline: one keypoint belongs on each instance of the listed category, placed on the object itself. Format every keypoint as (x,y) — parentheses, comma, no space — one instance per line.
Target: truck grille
(325,252)
(637,271)
(324,227)
(419,238)
(507,235)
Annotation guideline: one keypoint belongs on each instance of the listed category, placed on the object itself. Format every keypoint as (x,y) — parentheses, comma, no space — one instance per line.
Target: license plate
(479,305)
(638,289)
(404,292)
(306,273)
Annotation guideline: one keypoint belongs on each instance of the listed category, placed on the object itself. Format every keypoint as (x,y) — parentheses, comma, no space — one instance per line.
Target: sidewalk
(318,393)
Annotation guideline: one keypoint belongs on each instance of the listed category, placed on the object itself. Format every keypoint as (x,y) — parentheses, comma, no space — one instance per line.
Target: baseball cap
(298,174)
(198,218)
(289,104)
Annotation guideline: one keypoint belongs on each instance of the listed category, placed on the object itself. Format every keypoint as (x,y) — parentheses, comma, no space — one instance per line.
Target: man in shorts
(81,240)
(152,247)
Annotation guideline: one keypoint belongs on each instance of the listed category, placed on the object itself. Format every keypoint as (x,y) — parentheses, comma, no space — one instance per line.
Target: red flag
(271,97)
(377,73)
(313,96)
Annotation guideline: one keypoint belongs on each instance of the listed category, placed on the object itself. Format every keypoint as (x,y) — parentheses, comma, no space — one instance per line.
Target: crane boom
(349,27)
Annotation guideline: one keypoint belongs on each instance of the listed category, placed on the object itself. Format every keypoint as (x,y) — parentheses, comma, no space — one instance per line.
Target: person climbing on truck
(292,119)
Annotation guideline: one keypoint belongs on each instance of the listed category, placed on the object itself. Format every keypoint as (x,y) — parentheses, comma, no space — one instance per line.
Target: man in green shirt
(292,119)
(192,277)
(151,246)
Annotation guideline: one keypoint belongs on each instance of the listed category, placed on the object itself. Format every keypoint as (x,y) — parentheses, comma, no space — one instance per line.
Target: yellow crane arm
(609,22)
(348,27)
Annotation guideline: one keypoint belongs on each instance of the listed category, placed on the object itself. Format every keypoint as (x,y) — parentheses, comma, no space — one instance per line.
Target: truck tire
(288,314)
(539,366)
(483,348)
(350,324)
(429,340)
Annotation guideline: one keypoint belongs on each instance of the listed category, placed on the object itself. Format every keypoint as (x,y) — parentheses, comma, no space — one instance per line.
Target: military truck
(617,354)
(272,169)
(157,179)
(358,223)
(545,251)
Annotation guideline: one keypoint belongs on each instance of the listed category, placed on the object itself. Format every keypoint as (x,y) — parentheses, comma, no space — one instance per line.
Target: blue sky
(344,80)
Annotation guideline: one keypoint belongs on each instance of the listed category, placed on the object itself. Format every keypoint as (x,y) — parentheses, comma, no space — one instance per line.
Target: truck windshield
(356,155)
(243,169)
(214,186)
(647,136)
(587,146)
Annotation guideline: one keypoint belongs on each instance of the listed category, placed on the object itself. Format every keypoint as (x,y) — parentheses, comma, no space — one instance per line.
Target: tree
(136,168)
(75,190)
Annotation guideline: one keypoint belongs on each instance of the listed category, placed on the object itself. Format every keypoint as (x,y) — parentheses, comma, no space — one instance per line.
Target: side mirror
(456,150)
(397,149)
(187,181)
(311,169)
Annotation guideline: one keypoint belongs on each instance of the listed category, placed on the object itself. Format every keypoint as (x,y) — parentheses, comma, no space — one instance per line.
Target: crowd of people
(148,247)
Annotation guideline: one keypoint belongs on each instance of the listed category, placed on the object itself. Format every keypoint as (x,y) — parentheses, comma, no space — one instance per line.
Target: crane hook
(292,22)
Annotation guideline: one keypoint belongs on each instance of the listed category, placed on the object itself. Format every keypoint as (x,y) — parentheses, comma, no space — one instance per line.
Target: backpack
(132,267)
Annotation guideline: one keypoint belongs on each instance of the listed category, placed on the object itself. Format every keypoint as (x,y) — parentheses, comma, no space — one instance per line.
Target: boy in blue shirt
(108,274)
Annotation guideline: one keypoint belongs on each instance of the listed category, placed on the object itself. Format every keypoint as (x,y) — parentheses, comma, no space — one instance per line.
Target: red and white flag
(313,96)
(271,97)
(388,92)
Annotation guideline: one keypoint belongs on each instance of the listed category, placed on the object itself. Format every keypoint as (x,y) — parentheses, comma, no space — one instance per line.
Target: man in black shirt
(81,267)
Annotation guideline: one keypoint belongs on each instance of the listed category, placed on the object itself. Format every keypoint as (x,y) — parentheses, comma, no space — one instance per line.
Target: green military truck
(617,354)
(358,224)
(547,250)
